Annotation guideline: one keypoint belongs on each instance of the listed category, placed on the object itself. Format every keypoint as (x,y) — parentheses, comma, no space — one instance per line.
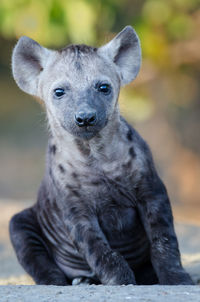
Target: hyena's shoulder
(132,135)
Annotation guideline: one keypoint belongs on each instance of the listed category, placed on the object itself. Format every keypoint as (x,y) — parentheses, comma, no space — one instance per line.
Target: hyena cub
(102,214)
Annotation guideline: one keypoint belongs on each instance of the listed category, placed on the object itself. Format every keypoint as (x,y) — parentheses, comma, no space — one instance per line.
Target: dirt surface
(99,293)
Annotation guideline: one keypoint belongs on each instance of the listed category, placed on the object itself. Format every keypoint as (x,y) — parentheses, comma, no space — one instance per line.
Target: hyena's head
(79,84)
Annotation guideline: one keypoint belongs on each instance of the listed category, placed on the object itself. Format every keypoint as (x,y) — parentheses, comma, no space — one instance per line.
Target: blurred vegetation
(55,22)
(163,102)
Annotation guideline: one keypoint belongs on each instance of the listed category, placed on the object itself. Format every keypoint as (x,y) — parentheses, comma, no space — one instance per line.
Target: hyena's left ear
(28,61)
(125,51)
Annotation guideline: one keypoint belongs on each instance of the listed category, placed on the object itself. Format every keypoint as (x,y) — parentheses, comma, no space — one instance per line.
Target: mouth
(85,132)
(86,135)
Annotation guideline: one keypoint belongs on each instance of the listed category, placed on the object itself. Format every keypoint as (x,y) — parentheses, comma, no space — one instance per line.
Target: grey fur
(102,213)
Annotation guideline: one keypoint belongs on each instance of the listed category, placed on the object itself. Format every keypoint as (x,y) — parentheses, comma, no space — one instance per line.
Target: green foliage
(51,22)
(55,22)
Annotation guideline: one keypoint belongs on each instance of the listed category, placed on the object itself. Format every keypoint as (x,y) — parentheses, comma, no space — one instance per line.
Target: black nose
(85,118)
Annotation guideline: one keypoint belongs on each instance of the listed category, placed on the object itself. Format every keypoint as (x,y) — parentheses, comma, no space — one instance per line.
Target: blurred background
(163,103)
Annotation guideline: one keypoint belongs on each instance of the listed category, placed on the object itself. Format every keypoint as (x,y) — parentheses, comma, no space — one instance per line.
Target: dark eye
(104,88)
(59,92)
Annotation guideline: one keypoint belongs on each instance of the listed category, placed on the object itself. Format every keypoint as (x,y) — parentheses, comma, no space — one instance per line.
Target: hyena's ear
(125,51)
(28,61)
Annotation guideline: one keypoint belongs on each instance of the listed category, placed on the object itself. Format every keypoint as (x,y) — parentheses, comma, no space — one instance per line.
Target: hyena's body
(102,212)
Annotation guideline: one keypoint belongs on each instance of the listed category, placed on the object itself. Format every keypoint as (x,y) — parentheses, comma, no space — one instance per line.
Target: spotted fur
(102,214)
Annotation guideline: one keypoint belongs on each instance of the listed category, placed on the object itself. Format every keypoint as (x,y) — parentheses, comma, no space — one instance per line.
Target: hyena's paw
(83,281)
(176,278)
(117,271)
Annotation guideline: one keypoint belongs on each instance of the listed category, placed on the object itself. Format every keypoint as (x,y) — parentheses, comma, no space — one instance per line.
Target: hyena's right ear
(125,52)
(28,61)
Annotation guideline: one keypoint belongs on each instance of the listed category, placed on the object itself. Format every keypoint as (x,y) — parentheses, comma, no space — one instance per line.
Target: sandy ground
(12,273)
(100,293)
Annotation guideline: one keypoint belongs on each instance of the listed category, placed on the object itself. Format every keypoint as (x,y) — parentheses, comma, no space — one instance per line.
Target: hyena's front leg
(108,266)
(156,215)
(32,251)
